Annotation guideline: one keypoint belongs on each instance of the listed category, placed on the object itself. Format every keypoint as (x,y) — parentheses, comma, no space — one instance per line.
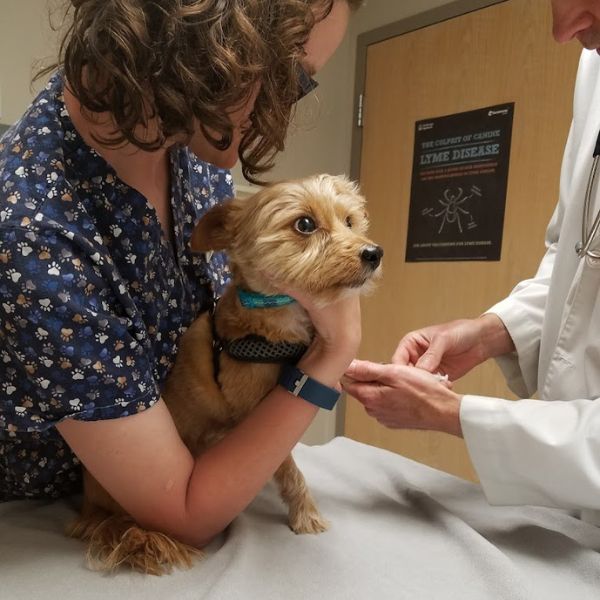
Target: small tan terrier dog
(309,235)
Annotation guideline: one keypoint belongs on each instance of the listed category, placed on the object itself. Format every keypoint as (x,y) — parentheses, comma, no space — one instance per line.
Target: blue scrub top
(93,297)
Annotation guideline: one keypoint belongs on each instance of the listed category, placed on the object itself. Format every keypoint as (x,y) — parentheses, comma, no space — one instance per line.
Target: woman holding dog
(101,182)
(544,336)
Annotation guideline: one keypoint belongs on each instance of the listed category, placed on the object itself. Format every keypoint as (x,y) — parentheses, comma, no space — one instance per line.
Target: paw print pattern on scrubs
(93,296)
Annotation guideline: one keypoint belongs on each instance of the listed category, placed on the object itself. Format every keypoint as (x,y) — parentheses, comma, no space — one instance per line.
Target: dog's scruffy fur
(267,253)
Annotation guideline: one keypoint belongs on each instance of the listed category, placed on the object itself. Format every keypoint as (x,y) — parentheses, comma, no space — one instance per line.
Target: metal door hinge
(361,105)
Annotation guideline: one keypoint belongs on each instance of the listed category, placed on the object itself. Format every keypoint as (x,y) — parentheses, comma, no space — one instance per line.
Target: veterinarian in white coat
(545,336)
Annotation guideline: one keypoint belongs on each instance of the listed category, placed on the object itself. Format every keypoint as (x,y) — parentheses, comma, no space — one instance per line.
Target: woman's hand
(454,348)
(402,397)
(337,336)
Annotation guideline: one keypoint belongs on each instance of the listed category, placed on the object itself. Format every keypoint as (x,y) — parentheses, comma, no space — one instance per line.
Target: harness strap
(256,349)
(253,348)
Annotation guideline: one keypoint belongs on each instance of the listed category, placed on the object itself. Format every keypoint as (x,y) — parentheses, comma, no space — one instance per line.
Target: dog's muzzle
(371,256)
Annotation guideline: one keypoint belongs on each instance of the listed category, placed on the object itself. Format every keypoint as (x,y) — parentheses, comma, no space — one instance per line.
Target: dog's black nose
(371,255)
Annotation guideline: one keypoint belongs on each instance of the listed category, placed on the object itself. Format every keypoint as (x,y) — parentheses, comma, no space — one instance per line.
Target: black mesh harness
(255,349)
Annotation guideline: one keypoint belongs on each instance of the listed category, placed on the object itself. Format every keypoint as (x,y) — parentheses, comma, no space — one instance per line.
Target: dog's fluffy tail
(117,540)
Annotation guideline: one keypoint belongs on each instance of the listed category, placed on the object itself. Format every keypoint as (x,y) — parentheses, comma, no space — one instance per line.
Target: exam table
(398,530)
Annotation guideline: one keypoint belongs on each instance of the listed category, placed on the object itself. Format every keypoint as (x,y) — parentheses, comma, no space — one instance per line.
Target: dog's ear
(213,230)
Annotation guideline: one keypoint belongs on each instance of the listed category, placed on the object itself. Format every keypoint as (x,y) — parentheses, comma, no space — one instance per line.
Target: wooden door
(504,53)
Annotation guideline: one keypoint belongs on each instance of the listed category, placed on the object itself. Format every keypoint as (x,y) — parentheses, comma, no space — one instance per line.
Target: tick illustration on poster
(455,209)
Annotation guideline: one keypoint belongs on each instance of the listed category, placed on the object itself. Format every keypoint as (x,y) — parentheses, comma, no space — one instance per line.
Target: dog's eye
(349,222)
(305,225)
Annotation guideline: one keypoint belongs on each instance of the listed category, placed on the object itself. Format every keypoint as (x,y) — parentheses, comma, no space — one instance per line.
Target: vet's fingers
(410,348)
(432,357)
(365,393)
(408,353)
(364,370)
(448,384)
(345,382)
(402,356)
(370,412)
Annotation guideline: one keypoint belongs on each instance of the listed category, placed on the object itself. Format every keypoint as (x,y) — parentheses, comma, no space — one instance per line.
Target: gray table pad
(399,530)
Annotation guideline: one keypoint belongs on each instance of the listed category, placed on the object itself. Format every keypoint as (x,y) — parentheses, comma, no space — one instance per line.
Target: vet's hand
(402,397)
(454,348)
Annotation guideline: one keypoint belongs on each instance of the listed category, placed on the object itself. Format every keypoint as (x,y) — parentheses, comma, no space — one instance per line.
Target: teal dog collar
(257,300)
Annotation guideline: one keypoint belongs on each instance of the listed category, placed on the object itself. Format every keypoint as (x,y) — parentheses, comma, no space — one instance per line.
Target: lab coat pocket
(577,332)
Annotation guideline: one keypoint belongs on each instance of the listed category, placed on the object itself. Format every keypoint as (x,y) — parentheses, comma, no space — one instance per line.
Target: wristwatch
(300,384)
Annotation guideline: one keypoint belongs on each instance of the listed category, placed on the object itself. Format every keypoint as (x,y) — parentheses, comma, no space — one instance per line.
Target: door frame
(454,9)
(458,8)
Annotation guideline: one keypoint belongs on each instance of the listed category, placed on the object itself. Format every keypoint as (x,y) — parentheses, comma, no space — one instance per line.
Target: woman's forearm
(227,476)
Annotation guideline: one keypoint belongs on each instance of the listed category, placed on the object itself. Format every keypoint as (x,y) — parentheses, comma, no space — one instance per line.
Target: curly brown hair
(188,61)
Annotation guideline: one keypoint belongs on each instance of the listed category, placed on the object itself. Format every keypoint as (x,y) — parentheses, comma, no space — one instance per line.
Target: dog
(307,234)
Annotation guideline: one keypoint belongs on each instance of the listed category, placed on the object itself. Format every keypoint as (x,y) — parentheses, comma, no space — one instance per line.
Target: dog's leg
(304,516)
(115,539)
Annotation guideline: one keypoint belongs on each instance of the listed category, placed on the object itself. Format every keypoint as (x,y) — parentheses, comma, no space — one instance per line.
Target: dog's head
(308,234)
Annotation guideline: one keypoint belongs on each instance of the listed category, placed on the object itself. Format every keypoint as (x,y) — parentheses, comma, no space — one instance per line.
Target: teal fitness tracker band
(303,386)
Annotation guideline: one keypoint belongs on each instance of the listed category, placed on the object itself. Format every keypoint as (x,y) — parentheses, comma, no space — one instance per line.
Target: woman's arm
(142,462)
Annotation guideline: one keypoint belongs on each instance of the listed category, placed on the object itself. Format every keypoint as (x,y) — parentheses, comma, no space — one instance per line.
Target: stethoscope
(588,235)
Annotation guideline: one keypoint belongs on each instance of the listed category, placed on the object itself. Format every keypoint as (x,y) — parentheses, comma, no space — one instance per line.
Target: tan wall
(320,142)
(25,37)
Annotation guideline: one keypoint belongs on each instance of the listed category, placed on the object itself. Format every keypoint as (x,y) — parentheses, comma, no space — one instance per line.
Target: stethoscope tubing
(583,247)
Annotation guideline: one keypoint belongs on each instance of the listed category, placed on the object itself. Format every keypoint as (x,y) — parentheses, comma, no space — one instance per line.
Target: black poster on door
(459,180)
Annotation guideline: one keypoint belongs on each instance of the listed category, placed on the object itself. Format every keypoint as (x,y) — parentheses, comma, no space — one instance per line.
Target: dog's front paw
(308,521)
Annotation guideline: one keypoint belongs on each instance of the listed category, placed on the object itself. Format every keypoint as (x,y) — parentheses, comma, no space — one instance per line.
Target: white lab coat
(547,451)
